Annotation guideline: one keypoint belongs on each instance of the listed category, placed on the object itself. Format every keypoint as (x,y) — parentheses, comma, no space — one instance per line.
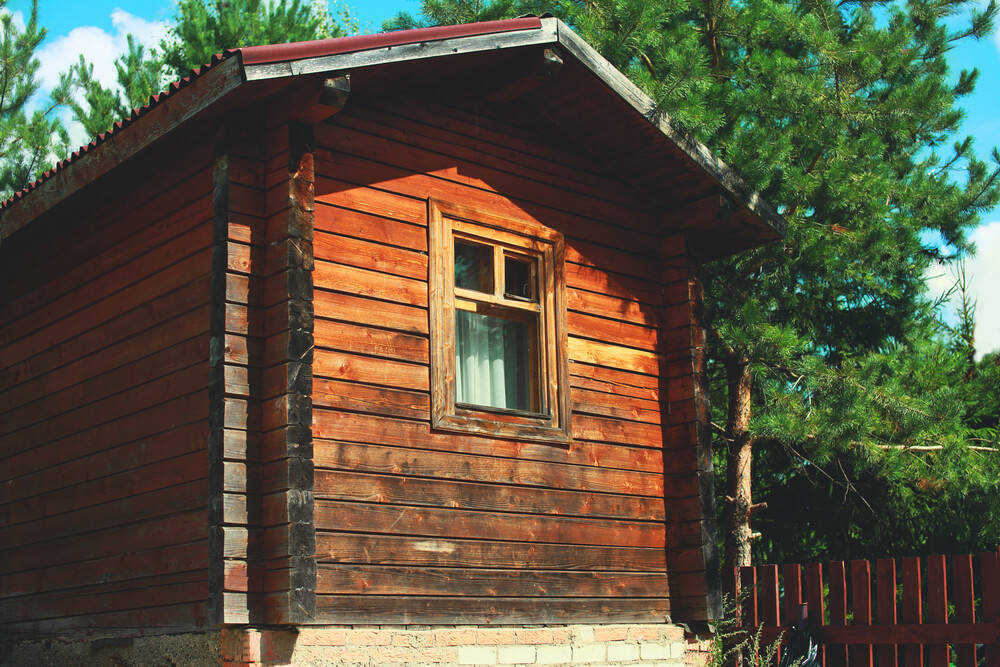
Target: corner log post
(692,557)
(217,389)
(239,305)
(286,547)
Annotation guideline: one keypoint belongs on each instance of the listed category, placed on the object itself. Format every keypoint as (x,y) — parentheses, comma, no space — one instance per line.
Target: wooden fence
(925,613)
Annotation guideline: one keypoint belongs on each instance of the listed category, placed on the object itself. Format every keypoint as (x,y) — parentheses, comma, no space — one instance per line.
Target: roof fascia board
(162,119)
(546,35)
(724,175)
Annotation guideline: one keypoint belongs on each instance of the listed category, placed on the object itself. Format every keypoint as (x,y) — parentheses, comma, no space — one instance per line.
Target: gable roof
(595,98)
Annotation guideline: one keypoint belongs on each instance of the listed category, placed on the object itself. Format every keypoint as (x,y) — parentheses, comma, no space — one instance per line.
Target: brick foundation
(385,646)
(396,645)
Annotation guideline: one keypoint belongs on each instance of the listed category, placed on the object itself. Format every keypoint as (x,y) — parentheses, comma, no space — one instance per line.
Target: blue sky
(97,28)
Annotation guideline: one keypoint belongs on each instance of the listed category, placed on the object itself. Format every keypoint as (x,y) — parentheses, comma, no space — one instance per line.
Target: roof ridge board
(273,53)
(544,33)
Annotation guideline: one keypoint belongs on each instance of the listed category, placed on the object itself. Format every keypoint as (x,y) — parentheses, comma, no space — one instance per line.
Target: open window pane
(473,266)
(495,361)
(519,278)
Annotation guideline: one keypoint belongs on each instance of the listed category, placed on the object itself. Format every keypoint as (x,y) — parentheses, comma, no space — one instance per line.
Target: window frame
(520,237)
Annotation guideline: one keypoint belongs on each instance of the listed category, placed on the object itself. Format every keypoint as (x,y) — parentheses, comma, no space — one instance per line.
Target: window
(498,333)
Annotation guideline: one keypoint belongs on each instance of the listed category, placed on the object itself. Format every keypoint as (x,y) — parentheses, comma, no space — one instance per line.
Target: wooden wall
(104,339)
(162,463)
(414,525)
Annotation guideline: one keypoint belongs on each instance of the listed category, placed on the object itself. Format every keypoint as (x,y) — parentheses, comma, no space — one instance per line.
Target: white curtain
(491,361)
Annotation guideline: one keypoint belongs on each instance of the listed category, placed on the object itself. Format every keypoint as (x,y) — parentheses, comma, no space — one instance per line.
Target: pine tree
(450,12)
(200,29)
(31,137)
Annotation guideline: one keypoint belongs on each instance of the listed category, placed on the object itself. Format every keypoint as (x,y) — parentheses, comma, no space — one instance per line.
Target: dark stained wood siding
(414,525)
(104,340)
(266,534)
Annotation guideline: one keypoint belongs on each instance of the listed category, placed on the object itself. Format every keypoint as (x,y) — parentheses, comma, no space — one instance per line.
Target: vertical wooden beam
(836,654)
(965,606)
(861,589)
(236,220)
(792,575)
(770,607)
(814,598)
(913,654)
(888,655)
(216,390)
(706,604)
(937,607)
(769,612)
(294,225)
(748,599)
(990,563)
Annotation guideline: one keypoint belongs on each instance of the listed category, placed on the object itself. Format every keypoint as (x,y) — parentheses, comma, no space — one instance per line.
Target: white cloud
(100,48)
(983,276)
(147,32)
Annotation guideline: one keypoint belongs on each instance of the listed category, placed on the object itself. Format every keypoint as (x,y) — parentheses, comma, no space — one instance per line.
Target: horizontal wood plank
(415,551)
(371,370)
(487,611)
(369,340)
(398,581)
(424,463)
(454,523)
(480,495)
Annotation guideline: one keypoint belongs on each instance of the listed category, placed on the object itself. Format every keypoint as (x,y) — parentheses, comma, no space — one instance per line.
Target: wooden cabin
(399,331)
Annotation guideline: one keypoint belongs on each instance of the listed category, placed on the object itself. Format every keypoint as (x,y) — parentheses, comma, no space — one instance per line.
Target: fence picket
(898,634)
(836,655)
(748,597)
(770,607)
(814,598)
(913,654)
(937,607)
(965,605)
(769,595)
(861,589)
(885,600)
(792,576)
(991,602)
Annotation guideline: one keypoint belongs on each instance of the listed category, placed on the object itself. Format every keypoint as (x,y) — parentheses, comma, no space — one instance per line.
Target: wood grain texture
(104,407)
(393,492)
(380,580)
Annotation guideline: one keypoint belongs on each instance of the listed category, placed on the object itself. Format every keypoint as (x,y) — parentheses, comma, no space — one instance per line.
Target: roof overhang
(710,196)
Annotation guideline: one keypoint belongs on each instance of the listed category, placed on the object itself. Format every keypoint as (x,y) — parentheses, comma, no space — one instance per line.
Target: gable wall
(104,338)
(419,526)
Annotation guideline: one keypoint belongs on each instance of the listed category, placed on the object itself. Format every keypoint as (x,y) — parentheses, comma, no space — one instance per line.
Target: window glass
(519,278)
(495,361)
(473,266)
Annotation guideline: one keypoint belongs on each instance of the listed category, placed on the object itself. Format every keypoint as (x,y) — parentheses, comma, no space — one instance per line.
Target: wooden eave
(679,178)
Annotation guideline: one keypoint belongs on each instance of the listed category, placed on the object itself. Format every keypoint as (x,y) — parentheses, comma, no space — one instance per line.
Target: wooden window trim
(445,220)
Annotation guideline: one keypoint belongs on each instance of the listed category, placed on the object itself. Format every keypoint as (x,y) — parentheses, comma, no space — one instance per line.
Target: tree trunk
(738,464)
